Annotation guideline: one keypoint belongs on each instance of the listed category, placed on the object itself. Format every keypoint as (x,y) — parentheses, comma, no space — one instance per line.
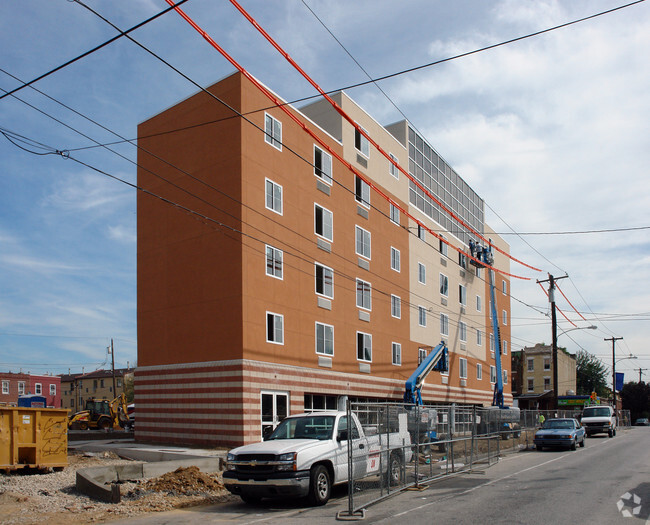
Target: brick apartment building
(273,280)
(76,389)
(14,385)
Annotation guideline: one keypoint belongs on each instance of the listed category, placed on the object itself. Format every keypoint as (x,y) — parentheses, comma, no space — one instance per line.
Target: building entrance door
(275,407)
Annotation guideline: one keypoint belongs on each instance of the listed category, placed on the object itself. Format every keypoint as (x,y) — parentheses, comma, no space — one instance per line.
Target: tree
(636,399)
(128,387)
(591,375)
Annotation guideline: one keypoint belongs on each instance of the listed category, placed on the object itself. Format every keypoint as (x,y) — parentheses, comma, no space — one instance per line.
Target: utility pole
(641,370)
(113,368)
(613,340)
(551,298)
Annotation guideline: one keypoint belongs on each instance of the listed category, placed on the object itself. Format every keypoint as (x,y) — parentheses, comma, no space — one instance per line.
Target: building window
(504,287)
(364,347)
(119,382)
(462,294)
(5,387)
(396,306)
(273,131)
(479,371)
(421,232)
(422,355)
(478,272)
(462,331)
(442,246)
(422,316)
(324,281)
(463,368)
(394,214)
(479,338)
(324,339)
(52,390)
(273,196)
(21,388)
(492,344)
(531,364)
(273,262)
(361,143)
(504,347)
(362,192)
(531,384)
(322,165)
(493,374)
(397,354)
(479,306)
(422,273)
(364,295)
(316,403)
(505,377)
(363,242)
(38,389)
(395,263)
(547,363)
(505,318)
(444,285)
(392,168)
(274,328)
(444,324)
(101,383)
(547,383)
(462,260)
(323,222)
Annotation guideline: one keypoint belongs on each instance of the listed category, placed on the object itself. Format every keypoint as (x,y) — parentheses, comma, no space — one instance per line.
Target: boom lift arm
(436,360)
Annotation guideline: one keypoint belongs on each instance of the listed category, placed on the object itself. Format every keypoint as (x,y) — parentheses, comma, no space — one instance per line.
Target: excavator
(101,414)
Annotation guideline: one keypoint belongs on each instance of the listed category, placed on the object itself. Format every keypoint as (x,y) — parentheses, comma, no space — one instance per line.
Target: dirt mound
(184,480)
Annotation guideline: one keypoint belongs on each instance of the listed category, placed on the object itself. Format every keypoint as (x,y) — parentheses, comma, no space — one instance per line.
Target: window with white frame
(422,355)
(442,246)
(324,281)
(422,316)
(504,347)
(273,131)
(505,377)
(274,328)
(492,343)
(478,272)
(444,324)
(52,389)
(462,331)
(273,262)
(394,214)
(462,295)
(5,387)
(462,260)
(505,317)
(421,232)
(422,273)
(392,168)
(362,242)
(21,388)
(395,263)
(364,347)
(547,383)
(462,369)
(361,143)
(323,222)
(444,285)
(273,196)
(38,389)
(364,291)
(479,371)
(493,374)
(324,339)
(322,165)
(396,306)
(397,354)
(362,192)
(531,384)
(531,364)
(479,304)
(479,337)
(547,363)
(504,287)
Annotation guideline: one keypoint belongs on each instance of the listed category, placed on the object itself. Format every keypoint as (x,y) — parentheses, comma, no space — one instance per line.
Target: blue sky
(551,131)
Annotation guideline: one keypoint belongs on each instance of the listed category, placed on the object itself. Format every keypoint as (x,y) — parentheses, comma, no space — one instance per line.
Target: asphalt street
(606,482)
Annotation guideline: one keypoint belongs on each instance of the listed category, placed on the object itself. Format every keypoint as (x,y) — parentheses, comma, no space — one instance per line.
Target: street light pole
(613,340)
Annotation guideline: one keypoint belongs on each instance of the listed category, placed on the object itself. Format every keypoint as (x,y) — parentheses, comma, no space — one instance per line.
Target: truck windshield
(596,412)
(310,427)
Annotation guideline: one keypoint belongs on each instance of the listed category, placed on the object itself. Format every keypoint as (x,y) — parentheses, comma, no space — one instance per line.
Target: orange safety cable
(280,104)
(365,134)
(557,308)
(567,300)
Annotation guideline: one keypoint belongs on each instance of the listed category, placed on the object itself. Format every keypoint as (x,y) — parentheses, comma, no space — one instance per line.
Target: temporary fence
(408,446)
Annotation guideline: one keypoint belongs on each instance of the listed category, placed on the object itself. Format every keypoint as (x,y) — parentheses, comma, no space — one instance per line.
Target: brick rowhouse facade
(267,285)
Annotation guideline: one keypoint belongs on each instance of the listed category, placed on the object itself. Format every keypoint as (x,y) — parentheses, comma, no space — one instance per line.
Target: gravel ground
(32,497)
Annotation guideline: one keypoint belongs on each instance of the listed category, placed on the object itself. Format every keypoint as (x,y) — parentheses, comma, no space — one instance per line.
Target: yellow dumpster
(33,437)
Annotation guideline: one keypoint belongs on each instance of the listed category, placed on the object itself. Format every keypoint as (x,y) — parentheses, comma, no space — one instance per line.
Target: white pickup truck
(308,453)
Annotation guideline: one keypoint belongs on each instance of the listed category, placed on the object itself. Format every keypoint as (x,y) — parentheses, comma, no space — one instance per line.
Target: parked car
(565,432)
(642,422)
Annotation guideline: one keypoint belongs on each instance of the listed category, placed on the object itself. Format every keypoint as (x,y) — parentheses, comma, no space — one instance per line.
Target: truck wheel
(394,472)
(539,447)
(251,500)
(319,486)
(611,433)
(83,425)
(104,423)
